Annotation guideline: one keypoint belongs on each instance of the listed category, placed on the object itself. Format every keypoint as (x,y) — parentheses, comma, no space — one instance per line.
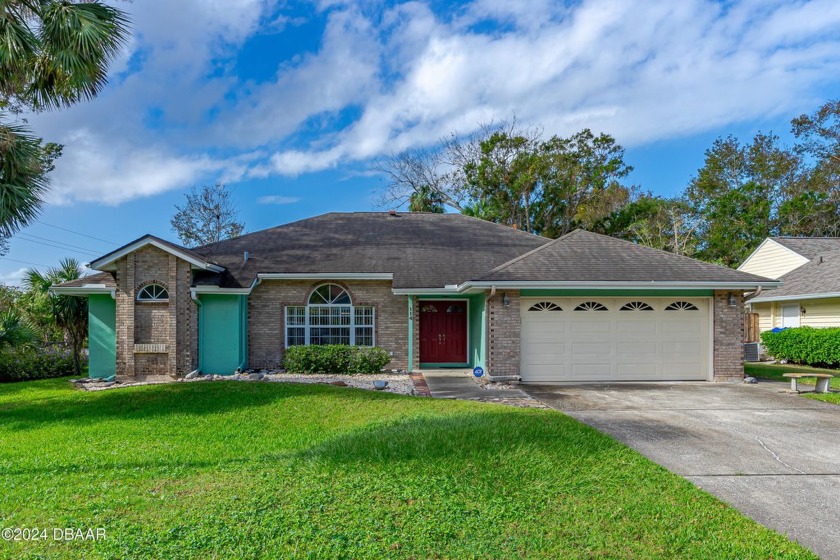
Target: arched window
(153,292)
(681,306)
(329,318)
(591,306)
(545,306)
(636,306)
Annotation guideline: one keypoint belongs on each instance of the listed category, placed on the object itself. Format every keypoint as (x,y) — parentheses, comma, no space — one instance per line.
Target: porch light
(505,299)
(733,301)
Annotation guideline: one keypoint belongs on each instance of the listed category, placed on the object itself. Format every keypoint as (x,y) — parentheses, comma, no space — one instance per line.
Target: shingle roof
(105,278)
(582,256)
(809,247)
(820,276)
(187,253)
(421,250)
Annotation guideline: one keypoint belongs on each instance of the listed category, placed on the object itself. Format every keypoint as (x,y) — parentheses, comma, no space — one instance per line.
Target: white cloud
(278,199)
(385,79)
(14,278)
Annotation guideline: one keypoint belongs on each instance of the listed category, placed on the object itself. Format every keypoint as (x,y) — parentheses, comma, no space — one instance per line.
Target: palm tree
(69,313)
(425,199)
(14,330)
(53,54)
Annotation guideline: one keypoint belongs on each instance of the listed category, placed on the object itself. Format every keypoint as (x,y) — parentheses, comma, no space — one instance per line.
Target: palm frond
(22,179)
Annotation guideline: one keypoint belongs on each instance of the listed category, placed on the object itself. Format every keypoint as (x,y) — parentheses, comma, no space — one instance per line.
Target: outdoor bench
(823,380)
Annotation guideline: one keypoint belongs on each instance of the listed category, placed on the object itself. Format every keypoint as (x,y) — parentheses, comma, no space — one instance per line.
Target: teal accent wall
(222,332)
(478,331)
(102,335)
(410,333)
(616,293)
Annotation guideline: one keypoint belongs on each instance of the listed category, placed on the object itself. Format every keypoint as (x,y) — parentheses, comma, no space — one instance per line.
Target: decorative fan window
(329,294)
(428,308)
(636,306)
(455,309)
(153,292)
(681,306)
(330,318)
(591,306)
(545,306)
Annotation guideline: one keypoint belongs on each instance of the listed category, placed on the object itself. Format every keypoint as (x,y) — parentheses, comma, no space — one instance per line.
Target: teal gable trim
(222,333)
(617,293)
(102,335)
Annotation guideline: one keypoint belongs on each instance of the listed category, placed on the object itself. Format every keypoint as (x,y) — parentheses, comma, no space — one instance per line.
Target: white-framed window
(330,318)
(153,292)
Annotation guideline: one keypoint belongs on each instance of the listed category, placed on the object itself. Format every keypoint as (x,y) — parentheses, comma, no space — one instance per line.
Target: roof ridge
(528,254)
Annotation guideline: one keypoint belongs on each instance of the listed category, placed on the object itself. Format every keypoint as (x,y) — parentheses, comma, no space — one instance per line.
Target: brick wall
(173,323)
(266,318)
(504,324)
(728,337)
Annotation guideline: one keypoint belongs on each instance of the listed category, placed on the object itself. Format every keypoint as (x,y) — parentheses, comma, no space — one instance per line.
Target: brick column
(125,316)
(504,326)
(728,337)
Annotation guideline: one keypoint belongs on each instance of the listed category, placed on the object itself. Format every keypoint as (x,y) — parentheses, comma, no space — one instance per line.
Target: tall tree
(53,54)
(737,195)
(209,216)
(69,313)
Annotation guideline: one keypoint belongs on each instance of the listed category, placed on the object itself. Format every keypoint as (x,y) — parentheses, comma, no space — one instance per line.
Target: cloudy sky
(289,102)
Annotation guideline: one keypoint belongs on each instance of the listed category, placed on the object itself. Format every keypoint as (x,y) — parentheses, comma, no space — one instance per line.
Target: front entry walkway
(457,384)
(772,455)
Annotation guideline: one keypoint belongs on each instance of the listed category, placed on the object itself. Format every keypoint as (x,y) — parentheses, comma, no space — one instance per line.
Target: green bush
(335,358)
(26,362)
(804,345)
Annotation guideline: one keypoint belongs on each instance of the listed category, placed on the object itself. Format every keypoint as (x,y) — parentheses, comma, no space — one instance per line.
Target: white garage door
(615,339)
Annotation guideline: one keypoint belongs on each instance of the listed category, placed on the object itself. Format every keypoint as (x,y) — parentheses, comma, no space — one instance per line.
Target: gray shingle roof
(820,276)
(105,278)
(809,247)
(421,250)
(582,256)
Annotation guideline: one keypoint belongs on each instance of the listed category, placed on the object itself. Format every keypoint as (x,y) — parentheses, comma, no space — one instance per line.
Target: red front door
(443,332)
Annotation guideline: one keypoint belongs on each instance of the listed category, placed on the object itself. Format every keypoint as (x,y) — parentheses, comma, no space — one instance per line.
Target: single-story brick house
(809,269)
(434,290)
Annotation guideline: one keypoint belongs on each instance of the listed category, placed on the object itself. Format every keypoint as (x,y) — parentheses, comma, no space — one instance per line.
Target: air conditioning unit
(752,351)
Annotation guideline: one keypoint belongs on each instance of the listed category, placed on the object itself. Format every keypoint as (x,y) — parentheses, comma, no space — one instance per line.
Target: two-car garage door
(615,339)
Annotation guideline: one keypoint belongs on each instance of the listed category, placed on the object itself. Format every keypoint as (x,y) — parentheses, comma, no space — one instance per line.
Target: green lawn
(250,470)
(775,371)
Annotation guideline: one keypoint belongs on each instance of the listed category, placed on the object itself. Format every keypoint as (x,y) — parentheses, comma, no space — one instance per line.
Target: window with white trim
(153,292)
(330,318)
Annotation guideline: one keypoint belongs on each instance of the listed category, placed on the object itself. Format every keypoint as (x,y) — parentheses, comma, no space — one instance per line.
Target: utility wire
(55,246)
(76,233)
(28,235)
(23,262)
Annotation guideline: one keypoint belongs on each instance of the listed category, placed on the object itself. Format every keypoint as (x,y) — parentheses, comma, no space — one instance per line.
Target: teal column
(410,333)
(102,335)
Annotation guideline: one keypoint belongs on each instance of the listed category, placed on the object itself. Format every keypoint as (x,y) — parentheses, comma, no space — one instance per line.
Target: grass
(251,470)
(775,371)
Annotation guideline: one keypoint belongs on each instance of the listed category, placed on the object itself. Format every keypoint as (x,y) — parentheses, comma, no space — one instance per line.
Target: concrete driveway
(772,455)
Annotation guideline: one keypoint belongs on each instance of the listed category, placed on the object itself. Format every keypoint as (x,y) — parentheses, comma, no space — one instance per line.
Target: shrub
(25,363)
(335,358)
(804,345)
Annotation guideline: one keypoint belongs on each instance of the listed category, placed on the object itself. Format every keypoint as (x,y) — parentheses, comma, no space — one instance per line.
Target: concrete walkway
(458,384)
(772,455)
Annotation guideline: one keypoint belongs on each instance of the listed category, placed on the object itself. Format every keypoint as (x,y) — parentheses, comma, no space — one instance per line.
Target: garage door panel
(615,345)
(635,327)
(631,350)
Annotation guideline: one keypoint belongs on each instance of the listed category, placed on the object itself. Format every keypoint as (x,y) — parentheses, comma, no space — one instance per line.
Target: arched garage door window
(330,318)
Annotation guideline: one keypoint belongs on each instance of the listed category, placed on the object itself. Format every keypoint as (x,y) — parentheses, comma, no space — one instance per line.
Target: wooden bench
(823,380)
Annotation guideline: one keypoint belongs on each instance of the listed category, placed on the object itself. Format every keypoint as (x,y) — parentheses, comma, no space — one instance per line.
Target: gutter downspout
(410,332)
(243,335)
(487,299)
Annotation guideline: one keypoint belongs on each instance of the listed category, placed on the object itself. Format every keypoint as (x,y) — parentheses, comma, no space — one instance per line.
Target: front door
(443,332)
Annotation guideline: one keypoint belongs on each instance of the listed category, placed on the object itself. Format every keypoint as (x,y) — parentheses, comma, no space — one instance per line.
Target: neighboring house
(434,290)
(809,269)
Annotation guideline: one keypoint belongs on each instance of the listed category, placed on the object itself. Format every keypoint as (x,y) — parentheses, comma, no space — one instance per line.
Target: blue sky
(289,102)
